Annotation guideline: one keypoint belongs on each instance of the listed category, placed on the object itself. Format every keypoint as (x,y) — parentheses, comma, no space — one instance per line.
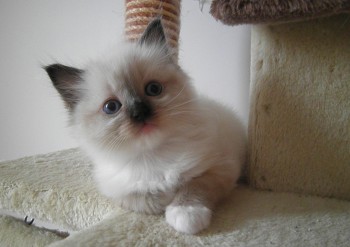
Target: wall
(39,32)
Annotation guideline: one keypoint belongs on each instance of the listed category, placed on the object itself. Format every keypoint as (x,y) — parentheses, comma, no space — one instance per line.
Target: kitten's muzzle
(140,111)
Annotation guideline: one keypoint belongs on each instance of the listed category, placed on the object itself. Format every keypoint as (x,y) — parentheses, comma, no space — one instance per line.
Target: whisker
(175,97)
(180,113)
(115,143)
(179,105)
(110,144)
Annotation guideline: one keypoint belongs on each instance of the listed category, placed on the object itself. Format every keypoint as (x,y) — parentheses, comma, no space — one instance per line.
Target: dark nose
(140,111)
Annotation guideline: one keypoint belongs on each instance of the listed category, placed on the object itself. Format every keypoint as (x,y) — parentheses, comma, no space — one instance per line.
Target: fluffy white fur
(188,219)
(189,158)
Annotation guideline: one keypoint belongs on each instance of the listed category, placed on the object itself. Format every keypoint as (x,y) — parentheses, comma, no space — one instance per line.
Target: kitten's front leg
(149,203)
(191,209)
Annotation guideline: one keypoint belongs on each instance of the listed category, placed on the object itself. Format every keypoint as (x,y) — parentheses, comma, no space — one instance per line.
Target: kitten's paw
(188,219)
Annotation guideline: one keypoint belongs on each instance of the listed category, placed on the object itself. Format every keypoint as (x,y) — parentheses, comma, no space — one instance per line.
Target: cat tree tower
(299,139)
(299,126)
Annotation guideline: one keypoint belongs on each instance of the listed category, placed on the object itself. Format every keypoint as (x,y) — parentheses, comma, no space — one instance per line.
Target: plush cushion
(232,12)
(247,218)
(58,188)
(14,232)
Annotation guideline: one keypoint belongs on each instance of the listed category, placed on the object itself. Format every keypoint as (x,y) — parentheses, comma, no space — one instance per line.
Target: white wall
(39,32)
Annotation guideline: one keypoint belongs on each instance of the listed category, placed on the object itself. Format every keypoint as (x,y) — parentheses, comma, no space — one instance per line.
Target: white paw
(188,219)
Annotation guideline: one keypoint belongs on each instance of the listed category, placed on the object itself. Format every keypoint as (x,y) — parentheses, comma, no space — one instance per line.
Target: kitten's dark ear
(65,79)
(154,34)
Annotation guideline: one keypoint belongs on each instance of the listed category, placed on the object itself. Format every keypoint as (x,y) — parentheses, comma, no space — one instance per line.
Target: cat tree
(282,88)
(299,126)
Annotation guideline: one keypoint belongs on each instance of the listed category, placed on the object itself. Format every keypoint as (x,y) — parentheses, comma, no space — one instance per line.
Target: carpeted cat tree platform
(299,143)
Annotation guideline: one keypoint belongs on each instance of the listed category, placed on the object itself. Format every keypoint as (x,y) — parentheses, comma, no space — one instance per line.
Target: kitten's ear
(65,79)
(154,34)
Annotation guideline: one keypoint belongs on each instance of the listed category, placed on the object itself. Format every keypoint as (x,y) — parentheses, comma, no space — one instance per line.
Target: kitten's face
(132,100)
(135,100)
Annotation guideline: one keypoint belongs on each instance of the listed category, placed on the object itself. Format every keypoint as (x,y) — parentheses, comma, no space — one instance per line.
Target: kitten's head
(135,98)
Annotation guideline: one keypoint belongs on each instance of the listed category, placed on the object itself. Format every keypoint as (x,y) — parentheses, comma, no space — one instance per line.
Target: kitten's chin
(149,136)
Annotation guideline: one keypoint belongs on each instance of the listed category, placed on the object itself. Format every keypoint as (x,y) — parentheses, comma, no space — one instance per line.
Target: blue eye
(153,88)
(111,106)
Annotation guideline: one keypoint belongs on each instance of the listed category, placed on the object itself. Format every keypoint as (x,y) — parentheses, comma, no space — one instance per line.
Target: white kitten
(157,146)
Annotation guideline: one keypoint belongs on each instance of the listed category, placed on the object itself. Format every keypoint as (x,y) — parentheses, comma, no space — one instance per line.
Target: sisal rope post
(140,12)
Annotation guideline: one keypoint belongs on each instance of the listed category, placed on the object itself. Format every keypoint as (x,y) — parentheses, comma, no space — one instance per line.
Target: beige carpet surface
(248,218)
(58,188)
(14,233)
(55,187)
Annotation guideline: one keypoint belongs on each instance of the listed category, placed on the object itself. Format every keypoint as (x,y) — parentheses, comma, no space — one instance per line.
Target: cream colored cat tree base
(48,189)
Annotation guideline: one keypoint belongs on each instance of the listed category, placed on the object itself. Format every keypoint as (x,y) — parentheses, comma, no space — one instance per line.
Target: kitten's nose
(140,111)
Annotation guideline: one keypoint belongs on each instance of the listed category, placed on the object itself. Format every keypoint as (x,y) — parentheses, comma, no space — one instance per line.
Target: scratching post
(139,13)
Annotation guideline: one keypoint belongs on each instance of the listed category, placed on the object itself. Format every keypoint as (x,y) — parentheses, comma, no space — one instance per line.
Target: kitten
(156,145)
